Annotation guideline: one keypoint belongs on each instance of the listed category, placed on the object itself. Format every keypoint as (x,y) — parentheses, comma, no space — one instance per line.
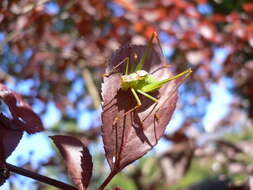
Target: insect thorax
(135,80)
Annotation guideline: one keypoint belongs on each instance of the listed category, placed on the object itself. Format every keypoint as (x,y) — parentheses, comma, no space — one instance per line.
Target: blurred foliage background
(55,52)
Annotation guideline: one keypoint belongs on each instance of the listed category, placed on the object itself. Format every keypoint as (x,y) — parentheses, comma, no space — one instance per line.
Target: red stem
(39,177)
(107,180)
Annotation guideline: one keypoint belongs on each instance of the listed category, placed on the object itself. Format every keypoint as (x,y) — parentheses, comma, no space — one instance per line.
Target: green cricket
(140,81)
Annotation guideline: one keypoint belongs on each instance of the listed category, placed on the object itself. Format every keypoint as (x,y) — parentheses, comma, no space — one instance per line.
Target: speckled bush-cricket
(140,81)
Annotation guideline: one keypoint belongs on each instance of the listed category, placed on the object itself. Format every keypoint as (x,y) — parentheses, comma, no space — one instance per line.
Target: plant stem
(107,180)
(39,177)
(92,90)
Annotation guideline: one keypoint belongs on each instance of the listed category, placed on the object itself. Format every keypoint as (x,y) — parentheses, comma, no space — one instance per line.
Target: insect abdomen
(150,84)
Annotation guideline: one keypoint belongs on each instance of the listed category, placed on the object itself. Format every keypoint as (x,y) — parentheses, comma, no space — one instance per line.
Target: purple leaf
(136,133)
(77,159)
(9,140)
(23,117)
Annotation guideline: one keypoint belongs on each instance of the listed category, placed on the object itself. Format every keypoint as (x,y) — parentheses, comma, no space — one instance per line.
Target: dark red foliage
(23,118)
(248,7)
(9,140)
(77,159)
(4,173)
(138,132)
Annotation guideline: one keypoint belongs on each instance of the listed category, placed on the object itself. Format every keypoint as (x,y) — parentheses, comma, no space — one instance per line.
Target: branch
(39,177)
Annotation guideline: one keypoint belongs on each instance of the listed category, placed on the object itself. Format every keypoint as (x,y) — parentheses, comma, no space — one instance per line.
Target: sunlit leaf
(137,132)
(77,159)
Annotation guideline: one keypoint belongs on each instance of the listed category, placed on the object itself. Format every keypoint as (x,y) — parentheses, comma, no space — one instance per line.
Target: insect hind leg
(132,109)
(147,95)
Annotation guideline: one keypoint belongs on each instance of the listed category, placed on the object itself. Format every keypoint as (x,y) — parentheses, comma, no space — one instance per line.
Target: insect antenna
(134,63)
(161,49)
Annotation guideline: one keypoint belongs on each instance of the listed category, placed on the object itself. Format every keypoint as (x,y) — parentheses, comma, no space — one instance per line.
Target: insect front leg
(125,60)
(138,101)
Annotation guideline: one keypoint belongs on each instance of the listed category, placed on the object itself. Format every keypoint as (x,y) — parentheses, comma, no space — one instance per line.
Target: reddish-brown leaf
(2,157)
(9,140)
(77,158)
(138,132)
(23,116)
(126,4)
(248,7)
(218,17)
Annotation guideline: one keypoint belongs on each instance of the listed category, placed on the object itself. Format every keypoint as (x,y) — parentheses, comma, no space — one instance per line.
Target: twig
(39,177)
(107,180)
